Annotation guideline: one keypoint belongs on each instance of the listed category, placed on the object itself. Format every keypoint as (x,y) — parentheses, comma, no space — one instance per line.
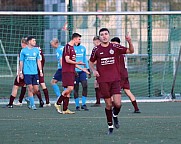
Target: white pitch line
(102,101)
(124,117)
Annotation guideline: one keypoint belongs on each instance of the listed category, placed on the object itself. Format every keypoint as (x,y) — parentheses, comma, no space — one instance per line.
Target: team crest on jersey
(111,51)
(34,54)
(82,50)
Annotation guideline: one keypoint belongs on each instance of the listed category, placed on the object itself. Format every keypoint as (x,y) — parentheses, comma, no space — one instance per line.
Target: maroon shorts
(68,79)
(124,83)
(41,79)
(21,82)
(109,88)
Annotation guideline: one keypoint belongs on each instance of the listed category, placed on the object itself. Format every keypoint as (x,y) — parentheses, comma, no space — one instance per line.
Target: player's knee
(76,88)
(109,106)
(35,92)
(117,104)
(30,89)
(84,92)
(53,82)
(84,83)
(85,87)
(75,94)
(69,89)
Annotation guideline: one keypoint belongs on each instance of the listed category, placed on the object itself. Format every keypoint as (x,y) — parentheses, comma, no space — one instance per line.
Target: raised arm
(130,50)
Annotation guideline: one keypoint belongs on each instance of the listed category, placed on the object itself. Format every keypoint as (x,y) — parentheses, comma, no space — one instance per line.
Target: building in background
(55,26)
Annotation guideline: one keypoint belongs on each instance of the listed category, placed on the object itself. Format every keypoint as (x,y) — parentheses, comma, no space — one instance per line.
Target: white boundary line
(2,102)
(67,118)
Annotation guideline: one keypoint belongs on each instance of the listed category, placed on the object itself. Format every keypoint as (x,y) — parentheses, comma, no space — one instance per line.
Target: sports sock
(109,117)
(77,102)
(84,100)
(60,99)
(134,103)
(22,94)
(65,103)
(32,102)
(11,100)
(45,91)
(39,95)
(116,111)
(56,90)
(97,95)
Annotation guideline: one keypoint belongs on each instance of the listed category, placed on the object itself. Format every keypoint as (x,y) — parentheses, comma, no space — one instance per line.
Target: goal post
(165,44)
(175,75)
(6,70)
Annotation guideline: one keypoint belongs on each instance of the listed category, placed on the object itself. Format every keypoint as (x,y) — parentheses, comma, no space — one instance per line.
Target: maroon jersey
(123,69)
(68,51)
(108,61)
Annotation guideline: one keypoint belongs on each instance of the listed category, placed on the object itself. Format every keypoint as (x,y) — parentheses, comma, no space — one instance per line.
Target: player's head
(96,41)
(54,42)
(115,40)
(31,41)
(104,35)
(76,38)
(23,42)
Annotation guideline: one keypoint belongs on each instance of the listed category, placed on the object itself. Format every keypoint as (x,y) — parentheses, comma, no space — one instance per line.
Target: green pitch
(158,123)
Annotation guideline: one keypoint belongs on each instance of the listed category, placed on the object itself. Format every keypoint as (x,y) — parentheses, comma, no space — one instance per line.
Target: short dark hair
(75,35)
(30,38)
(103,29)
(116,39)
(96,38)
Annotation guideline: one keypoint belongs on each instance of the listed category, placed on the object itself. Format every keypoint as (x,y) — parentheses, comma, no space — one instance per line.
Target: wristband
(41,71)
(20,72)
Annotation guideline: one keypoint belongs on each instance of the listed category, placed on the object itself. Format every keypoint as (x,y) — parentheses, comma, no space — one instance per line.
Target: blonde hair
(96,38)
(24,40)
(55,40)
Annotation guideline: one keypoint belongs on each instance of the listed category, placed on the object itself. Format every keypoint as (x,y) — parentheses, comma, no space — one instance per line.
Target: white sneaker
(47,105)
(58,108)
(68,112)
(18,104)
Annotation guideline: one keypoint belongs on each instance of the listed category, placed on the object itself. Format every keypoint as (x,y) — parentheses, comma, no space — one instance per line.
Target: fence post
(70,20)
(149,51)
